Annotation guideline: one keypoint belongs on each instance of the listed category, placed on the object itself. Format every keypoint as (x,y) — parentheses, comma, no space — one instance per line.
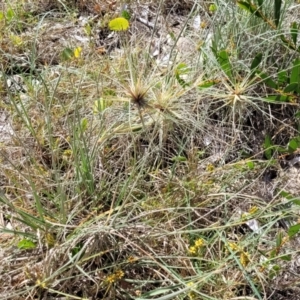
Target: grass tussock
(158,162)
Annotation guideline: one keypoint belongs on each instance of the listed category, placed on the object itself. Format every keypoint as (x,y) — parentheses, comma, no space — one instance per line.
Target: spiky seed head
(138,95)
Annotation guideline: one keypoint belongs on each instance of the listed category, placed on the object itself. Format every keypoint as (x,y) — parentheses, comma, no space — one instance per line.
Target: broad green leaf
(256,61)
(277,11)
(26,244)
(118,24)
(10,14)
(267,80)
(293,230)
(294,32)
(223,59)
(67,54)
(277,98)
(292,87)
(293,145)
(282,78)
(295,73)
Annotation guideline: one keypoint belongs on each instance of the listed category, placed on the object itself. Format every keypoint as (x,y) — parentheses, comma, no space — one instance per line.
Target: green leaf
(26,244)
(290,197)
(279,239)
(67,54)
(277,11)
(88,29)
(125,14)
(84,124)
(294,32)
(260,2)
(207,84)
(293,230)
(250,164)
(182,68)
(251,8)
(10,14)
(268,147)
(179,158)
(256,61)
(213,7)
(277,98)
(293,145)
(282,78)
(295,72)
(223,59)
(267,80)
(181,81)
(291,88)
(296,201)
(118,24)
(244,5)
(287,257)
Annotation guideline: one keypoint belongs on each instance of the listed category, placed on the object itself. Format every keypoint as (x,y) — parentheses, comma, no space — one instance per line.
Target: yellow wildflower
(210,167)
(131,259)
(244,259)
(191,294)
(233,246)
(112,278)
(193,250)
(199,243)
(253,210)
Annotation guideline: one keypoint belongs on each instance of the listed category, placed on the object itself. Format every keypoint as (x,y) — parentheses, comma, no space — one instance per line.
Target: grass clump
(132,168)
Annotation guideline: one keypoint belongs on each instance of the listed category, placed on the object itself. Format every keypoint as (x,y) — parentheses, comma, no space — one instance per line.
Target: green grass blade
(294,32)
(277,11)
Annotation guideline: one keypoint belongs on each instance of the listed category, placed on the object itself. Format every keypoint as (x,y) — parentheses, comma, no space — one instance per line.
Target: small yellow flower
(67,154)
(41,284)
(253,210)
(193,250)
(210,167)
(131,259)
(244,259)
(119,274)
(112,278)
(199,243)
(233,246)
(191,294)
